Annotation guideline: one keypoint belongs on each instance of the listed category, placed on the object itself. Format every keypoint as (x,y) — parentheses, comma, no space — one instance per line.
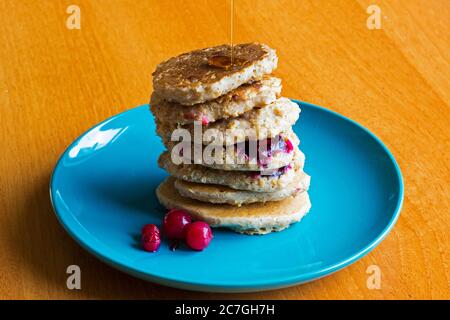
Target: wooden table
(57,82)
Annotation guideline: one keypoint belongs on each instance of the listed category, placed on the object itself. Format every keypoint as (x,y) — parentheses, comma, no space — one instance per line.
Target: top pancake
(206,74)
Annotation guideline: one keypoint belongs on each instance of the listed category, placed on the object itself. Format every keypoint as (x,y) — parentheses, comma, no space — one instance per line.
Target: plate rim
(259,285)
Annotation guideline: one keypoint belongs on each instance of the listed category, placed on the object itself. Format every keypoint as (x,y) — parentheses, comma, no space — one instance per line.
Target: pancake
(206,74)
(256,218)
(240,180)
(232,104)
(265,122)
(221,194)
(281,153)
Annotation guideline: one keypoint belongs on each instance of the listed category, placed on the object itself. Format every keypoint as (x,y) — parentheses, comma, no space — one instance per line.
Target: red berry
(289,146)
(198,235)
(190,115)
(205,120)
(150,238)
(149,228)
(175,223)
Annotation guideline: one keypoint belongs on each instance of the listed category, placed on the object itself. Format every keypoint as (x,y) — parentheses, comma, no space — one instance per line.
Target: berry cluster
(177,225)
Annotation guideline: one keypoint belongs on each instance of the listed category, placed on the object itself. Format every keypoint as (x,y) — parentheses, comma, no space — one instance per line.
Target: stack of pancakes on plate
(255,183)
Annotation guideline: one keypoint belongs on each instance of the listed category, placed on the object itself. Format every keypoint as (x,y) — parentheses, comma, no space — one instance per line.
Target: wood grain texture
(55,83)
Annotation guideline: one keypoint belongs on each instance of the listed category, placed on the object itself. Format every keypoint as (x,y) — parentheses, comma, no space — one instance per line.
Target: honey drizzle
(232,30)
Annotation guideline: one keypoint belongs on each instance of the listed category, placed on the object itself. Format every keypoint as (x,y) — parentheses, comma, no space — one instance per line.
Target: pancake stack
(248,175)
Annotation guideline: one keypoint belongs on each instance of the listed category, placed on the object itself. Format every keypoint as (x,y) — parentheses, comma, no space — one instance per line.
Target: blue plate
(103,192)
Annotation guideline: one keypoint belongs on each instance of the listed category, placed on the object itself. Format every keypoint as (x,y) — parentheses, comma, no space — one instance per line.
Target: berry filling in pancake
(265,149)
